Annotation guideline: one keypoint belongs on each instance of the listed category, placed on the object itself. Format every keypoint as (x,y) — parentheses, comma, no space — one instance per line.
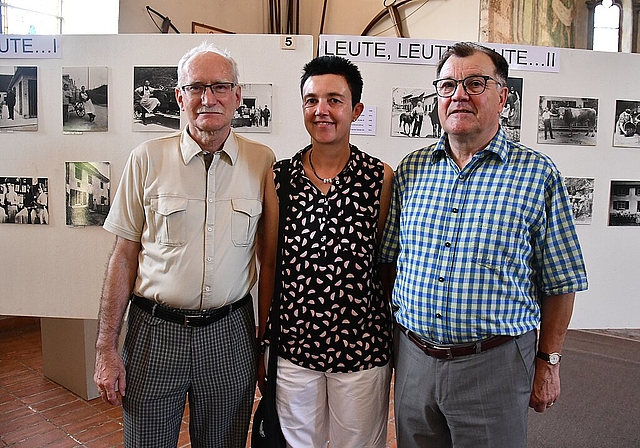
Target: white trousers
(350,409)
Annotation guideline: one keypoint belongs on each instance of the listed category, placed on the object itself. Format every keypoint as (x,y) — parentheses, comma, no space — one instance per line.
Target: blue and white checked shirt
(477,248)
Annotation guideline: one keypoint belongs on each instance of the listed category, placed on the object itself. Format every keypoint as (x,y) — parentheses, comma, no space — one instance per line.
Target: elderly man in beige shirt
(186,216)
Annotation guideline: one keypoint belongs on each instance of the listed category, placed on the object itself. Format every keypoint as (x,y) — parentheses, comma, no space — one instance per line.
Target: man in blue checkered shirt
(481,244)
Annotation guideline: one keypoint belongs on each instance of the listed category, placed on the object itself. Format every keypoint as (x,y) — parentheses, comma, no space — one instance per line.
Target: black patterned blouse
(334,317)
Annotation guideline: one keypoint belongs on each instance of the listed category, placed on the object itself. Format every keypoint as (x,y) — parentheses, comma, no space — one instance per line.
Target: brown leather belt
(188,318)
(455,350)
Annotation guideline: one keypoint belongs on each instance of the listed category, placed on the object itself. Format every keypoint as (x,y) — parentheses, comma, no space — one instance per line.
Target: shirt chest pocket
(244,220)
(169,219)
(497,243)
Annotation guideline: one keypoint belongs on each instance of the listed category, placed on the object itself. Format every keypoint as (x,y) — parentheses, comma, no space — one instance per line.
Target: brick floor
(36,412)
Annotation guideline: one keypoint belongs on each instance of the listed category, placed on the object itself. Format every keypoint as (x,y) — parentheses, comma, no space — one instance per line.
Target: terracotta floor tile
(88,435)
(115,439)
(67,442)
(41,413)
(11,405)
(77,426)
(42,440)
(29,420)
(44,395)
(75,417)
(26,432)
(59,401)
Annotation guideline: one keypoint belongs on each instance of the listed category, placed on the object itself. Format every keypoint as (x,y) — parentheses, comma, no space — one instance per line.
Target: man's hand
(110,376)
(546,386)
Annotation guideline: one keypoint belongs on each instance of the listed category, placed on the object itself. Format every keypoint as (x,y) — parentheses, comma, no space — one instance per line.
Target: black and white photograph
(87,193)
(24,200)
(18,98)
(255,113)
(510,117)
(624,203)
(85,99)
(155,108)
(581,195)
(414,113)
(627,124)
(567,121)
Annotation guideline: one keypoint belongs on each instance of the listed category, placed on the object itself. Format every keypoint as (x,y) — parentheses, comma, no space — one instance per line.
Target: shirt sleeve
(562,268)
(126,216)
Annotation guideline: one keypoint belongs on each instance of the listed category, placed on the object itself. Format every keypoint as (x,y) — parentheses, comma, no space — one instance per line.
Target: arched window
(605,17)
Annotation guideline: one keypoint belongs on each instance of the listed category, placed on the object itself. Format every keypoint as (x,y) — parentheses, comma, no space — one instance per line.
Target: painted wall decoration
(18,98)
(85,99)
(88,185)
(549,23)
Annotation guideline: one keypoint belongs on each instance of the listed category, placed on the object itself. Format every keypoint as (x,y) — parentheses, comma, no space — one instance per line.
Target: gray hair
(206,47)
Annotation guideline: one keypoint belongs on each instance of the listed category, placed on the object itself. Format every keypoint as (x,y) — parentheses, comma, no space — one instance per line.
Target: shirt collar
(190,148)
(499,145)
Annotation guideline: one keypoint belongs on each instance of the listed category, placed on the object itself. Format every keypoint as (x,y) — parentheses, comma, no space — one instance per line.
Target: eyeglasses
(473,85)
(219,89)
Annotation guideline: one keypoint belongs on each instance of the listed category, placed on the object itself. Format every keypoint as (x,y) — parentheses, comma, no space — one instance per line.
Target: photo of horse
(414,113)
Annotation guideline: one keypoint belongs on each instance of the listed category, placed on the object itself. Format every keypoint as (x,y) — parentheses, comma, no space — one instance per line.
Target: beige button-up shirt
(197,229)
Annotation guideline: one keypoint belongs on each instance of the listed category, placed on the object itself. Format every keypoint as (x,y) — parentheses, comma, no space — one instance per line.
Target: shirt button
(210,200)
(207,288)
(454,210)
(209,229)
(447,244)
(323,239)
(441,279)
(438,315)
(461,177)
(209,258)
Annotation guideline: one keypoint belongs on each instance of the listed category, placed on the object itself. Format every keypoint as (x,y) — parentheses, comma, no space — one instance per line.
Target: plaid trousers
(214,366)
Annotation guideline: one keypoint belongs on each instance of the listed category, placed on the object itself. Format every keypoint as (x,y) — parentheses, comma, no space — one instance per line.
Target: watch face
(554,358)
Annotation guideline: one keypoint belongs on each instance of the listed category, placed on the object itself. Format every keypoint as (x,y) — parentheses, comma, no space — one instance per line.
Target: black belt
(455,350)
(188,318)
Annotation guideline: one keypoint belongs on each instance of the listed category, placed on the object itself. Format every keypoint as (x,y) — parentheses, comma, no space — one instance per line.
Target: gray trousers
(476,401)
(214,366)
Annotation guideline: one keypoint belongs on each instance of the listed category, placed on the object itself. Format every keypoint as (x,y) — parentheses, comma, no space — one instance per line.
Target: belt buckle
(193,320)
(447,350)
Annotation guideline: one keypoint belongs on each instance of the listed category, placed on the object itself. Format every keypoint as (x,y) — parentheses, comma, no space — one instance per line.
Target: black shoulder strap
(274,315)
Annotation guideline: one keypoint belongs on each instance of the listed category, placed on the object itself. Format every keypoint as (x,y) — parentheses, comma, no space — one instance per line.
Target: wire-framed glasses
(473,85)
(219,89)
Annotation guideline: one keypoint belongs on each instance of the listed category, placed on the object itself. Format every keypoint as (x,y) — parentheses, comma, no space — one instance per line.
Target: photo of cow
(627,124)
(567,121)
(414,113)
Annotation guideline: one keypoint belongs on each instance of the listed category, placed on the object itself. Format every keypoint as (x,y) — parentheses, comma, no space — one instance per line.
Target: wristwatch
(551,358)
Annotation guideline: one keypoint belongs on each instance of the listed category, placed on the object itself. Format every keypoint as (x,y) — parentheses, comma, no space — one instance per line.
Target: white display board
(57,271)
(612,254)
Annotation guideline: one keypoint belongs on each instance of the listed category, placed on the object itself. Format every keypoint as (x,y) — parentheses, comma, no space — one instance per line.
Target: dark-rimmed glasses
(473,85)
(219,89)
